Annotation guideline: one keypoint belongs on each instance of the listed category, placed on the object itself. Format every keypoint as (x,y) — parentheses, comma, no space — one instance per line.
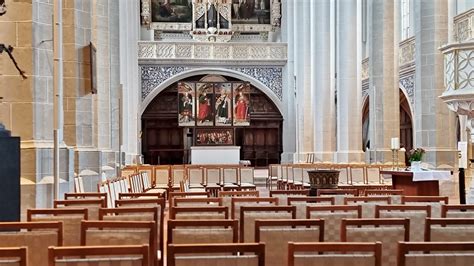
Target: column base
(324,157)
(350,156)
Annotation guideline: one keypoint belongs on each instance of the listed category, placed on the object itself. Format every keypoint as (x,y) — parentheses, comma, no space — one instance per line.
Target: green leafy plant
(416,154)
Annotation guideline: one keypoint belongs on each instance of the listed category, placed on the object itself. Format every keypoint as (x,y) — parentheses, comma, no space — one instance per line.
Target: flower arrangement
(415,155)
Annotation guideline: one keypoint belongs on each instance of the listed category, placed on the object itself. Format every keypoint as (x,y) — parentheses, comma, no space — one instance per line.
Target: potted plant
(415,156)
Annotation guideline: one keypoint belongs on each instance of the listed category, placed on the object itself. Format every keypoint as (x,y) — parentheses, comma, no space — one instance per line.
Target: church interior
(236,132)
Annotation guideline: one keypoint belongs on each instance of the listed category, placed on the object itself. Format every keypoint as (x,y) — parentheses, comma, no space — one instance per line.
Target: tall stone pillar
(322,71)
(435,125)
(384,102)
(349,124)
(289,123)
(302,40)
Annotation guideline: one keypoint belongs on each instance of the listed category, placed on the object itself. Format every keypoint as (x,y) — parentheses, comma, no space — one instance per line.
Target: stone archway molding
(205,71)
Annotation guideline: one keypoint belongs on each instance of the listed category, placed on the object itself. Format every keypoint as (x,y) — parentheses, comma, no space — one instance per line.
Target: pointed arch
(217,71)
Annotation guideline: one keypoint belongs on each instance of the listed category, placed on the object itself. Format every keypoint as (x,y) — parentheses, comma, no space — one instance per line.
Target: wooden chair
(202,231)
(357,175)
(416,214)
(197,202)
(434,201)
(37,237)
(230,177)
(71,219)
(394,194)
(194,194)
(457,211)
(202,254)
(282,195)
(301,202)
(249,214)
(92,206)
(274,173)
(84,195)
(449,229)
(195,176)
(334,254)
(247,178)
(178,174)
(436,253)
(228,195)
(372,173)
(112,233)
(333,215)
(236,203)
(142,195)
(387,231)
(16,256)
(367,203)
(199,213)
(143,214)
(132,255)
(162,176)
(277,233)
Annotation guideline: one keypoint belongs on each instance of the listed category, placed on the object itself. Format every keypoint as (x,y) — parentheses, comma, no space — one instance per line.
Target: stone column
(452,10)
(129,36)
(349,124)
(384,103)
(302,40)
(290,119)
(435,125)
(322,49)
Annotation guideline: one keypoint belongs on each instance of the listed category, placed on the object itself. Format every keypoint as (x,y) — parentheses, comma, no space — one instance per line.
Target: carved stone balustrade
(463,25)
(217,53)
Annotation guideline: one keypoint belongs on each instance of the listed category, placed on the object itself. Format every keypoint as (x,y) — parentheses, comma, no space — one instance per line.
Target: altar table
(417,183)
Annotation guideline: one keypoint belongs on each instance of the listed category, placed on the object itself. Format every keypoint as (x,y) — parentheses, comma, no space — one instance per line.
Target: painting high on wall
(214,136)
(223,114)
(186,103)
(241,100)
(205,104)
(171,11)
(251,11)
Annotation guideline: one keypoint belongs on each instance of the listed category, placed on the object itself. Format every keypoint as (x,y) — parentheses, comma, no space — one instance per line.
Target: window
(405,17)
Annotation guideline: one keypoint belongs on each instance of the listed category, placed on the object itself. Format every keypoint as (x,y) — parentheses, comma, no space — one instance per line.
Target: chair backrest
(282,195)
(195,175)
(457,211)
(37,238)
(416,214)
(78,185)
(202,254)
(436,253)
(394,194)
(357,174)
(236,203)
(333,216)
(162,175)
(177,174)
(338,194)
(15,256)
(111,233)
(248,215)
(71,219)
(277,233)
(298,173)
(137,214)
(434,201)
(228,195)
(372,173)
(148,172)
(387,231)
(449,229)
(84,195)
(230,175)
(92,206)
(334,254)
(302,202)
(202,231)
(131,255)
(367,203)
(343,174)
(213,175)
(199,213)
(197,202)
(246,175)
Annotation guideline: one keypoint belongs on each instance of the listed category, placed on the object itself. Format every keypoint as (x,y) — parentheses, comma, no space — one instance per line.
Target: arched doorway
(164,142)
(406,125)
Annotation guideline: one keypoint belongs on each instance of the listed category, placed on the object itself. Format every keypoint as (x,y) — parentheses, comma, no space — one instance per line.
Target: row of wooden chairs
(196,176)
(289,176)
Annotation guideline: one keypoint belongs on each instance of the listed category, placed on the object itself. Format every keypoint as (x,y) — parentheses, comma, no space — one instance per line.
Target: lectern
(9,176)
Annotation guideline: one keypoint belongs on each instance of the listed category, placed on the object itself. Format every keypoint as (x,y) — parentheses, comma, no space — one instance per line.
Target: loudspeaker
(9,178)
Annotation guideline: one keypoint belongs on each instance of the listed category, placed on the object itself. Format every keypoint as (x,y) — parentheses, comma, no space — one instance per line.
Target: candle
(395,144)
